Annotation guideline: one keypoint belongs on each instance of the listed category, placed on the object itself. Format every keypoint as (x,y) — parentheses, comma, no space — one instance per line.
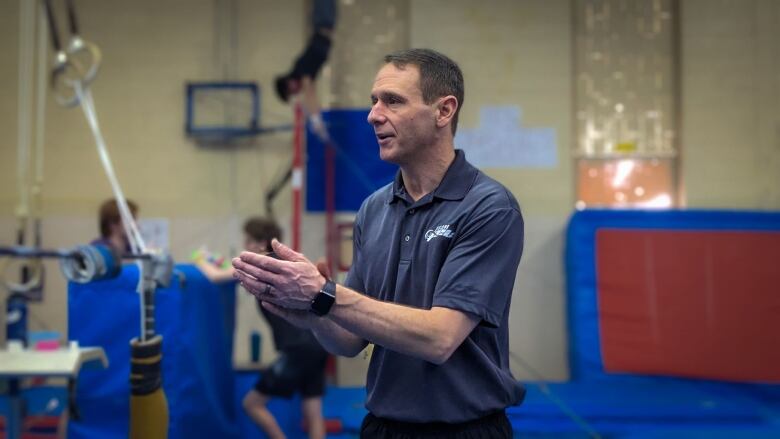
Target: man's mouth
(383,138)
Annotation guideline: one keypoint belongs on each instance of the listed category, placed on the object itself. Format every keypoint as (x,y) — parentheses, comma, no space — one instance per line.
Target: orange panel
(645,183)
(700,304)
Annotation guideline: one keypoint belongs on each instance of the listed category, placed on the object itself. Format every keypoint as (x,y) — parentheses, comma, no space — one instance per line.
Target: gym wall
(512,53)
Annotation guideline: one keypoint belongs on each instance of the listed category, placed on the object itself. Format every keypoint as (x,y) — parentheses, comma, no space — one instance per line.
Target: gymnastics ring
(78,47)
(64,75)
(75,66)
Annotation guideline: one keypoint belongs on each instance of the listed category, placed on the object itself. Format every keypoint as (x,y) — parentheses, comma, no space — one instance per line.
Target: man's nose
(375,116)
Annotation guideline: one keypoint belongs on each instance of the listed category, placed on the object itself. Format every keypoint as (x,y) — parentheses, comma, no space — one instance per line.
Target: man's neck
(423,176)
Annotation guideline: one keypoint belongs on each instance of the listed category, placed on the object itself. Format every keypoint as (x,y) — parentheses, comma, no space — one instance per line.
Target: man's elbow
(443,350)
(448,331)
(350,351)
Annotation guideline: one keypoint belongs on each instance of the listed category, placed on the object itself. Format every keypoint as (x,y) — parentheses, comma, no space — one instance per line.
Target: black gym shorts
(295,371)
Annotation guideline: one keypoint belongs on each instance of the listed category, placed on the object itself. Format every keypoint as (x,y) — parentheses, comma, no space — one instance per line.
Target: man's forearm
(428,334)
(337,340)
(354,319)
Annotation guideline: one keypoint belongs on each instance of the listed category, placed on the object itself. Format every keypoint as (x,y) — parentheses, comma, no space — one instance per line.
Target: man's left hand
(291,281)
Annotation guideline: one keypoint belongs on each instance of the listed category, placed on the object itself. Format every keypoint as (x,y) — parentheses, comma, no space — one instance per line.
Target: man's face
(403,123)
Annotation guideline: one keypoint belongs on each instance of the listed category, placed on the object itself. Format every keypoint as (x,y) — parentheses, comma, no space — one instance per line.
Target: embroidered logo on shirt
(443,230)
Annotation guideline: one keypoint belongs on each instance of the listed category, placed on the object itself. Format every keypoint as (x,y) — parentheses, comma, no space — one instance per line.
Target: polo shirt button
(406,238)
(411,211)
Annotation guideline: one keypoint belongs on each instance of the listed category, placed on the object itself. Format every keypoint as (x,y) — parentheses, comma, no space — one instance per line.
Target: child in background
(300,367)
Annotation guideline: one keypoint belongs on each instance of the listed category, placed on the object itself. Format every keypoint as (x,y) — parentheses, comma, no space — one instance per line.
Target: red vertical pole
(330,207)
(297,177)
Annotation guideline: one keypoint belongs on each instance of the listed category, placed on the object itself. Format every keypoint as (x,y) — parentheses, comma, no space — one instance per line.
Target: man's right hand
(301,319)
(322,267)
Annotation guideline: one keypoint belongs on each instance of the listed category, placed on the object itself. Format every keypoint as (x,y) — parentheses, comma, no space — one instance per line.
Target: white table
(66,362)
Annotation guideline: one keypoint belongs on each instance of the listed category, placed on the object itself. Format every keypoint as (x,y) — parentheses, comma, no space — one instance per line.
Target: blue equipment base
(196,320)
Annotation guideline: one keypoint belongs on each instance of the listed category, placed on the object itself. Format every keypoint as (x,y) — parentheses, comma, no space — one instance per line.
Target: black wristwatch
(324,300)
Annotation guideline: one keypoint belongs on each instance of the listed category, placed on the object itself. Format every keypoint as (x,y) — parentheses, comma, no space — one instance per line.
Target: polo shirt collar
(456,182)
(398,191)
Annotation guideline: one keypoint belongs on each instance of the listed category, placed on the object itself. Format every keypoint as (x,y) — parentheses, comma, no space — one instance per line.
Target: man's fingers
(237,272)
(256,287)
(322,267)
(251,284)
(271,299)
(261,273)
(281,312)
(248,270)
(286,253)
(265,263)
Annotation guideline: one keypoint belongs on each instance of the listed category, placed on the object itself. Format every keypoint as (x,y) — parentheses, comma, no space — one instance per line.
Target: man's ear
(447,107)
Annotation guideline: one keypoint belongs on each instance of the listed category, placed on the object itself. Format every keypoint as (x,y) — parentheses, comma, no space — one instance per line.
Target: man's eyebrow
(385,95)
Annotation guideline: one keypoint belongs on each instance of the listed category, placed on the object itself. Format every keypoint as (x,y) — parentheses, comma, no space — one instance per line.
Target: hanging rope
(128,222)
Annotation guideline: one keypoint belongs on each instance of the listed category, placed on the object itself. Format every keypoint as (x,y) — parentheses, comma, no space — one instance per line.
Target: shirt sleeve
(479,272)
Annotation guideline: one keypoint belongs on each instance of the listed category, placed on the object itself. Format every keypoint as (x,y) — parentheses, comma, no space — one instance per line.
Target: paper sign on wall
(500,141)
(156,233)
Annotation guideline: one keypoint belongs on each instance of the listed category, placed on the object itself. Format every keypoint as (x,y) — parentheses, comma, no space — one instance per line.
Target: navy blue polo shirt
(457,247)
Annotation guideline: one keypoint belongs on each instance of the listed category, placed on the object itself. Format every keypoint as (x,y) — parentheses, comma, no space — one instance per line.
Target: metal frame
(223,131)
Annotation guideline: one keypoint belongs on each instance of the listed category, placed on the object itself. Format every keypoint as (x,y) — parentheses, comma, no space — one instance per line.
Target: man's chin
(389,154)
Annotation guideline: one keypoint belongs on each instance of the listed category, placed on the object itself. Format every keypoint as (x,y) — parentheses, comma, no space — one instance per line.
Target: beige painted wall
(731,103)
(150,50)
(512,53)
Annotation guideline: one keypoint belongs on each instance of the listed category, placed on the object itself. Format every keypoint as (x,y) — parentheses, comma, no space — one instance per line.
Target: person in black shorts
(300,367)
(301,79)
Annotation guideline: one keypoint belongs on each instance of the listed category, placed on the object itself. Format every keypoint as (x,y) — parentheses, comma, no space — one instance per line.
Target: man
(300,367)
(302,77)
(112,231)
(435,257)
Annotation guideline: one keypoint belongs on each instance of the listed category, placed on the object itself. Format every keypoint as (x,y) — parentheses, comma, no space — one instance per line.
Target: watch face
(323,301)
(321,304)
